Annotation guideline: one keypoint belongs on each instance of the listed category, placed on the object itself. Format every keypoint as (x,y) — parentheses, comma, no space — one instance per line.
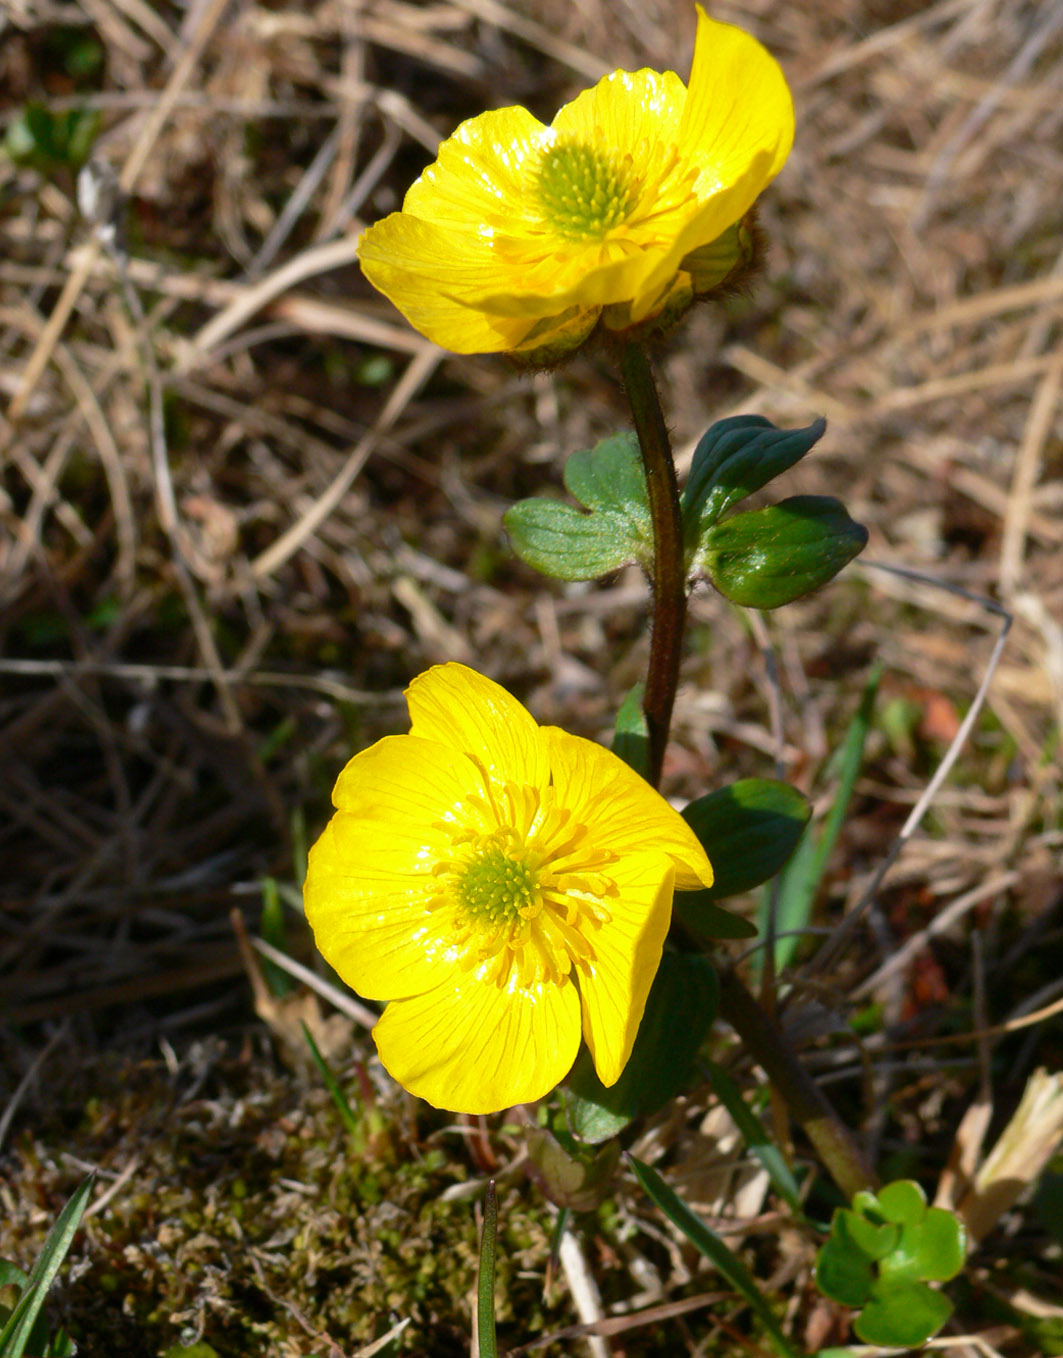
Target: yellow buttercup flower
(521,236)
(505,887)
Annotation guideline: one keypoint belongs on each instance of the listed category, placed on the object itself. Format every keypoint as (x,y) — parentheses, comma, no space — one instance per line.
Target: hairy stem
(669,572)
(832,1140)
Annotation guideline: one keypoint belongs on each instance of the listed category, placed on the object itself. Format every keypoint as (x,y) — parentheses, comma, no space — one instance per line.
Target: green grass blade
(16,1333)
(347,1114)
(485,1284)
(713,1248)
(756,1138)
(799,881)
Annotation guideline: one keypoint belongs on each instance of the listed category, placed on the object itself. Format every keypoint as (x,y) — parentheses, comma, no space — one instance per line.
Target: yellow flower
(521,235)
(504,886)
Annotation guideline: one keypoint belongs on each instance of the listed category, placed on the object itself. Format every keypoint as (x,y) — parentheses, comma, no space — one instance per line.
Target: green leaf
(579,1179)
(485,1284)
(842,1273)
(734,458)
(748,829)
(343,1108)
(931,1250)
(902,1201)
(48,141)
(873,1239)
(765,558)
(756,1138)
(901,1314)
(631,740)
(713,1248)
(563,542)
(16,1332)
(11,1275)
(679,1012)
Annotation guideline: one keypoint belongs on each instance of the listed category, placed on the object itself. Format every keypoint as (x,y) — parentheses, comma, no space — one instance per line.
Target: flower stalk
(834,1143)
(669,572)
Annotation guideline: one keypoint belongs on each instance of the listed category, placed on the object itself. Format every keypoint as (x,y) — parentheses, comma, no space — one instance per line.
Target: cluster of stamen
(524,888)
(583,191)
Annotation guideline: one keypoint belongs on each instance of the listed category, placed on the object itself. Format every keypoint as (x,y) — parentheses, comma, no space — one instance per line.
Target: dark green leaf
(679,1013)
(713,1248)
(842,1273)
(748,829)
(901,1314)
(569,544)
(48,141)
(631,740)
(733,459)
(768,557)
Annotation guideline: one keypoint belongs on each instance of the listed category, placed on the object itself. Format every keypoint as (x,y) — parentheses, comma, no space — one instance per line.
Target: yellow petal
(366,899)
(621,810)
(738,111)
(454,706)
(478,181)
(405,780)
(470,1047)
(426,269)
(708,222)
(627,110)
(627,955)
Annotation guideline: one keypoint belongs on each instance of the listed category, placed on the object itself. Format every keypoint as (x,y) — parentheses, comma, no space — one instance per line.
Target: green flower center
(583,191)
(495,888)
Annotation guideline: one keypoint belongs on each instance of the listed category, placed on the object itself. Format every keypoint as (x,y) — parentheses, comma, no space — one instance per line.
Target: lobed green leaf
(616,529)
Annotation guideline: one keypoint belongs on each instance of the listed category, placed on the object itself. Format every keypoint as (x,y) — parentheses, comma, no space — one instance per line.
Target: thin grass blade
(347,1114)
(713,1248)
(485,1284)
(16,1333)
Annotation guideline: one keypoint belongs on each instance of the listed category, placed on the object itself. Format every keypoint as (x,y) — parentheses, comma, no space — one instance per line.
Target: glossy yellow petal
(628,110)
(366,898)
(471,1047)
(479,181)
(738,112)
(454,706)
(627,955)
(405,780)
(594,276)
(426,270)
(710,220)
(626,814)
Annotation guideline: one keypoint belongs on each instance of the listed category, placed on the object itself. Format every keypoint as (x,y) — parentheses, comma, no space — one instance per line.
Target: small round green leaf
(768,557)
(931,1250)
(903,1201)
(901,1314)
(843,1274)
